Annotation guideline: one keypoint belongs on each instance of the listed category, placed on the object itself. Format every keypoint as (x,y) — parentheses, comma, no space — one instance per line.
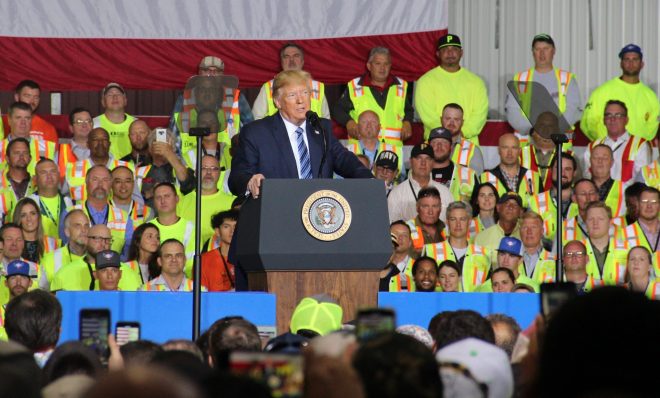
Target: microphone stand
(559,139)
(315,122)
(199,133)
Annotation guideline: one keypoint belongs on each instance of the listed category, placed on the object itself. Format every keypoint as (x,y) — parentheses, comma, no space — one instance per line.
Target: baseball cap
(421,149)
(388,160)
(511,245)
(544,37)
(113,85)
(317,315)
(18,267)
(440,132)
(107,258)
(449,40)
(631,48)
(487,364)
(211,61)
(510,195)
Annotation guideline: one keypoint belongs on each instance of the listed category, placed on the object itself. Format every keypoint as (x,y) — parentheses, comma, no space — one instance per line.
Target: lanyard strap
(224,262)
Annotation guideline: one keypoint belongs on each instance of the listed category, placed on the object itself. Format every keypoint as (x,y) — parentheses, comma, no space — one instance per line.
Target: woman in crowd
(449,276)
(142,251)
(483,203)
(26,215)
(639,273)
(503,280)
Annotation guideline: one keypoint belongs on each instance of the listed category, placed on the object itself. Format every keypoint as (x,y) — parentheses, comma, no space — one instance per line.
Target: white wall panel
(497,37)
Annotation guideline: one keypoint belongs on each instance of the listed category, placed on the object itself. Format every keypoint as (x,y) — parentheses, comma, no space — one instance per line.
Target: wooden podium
(295,241)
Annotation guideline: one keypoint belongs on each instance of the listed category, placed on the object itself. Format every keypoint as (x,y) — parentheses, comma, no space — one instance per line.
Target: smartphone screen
(94,327)
(554,295)
(161,135)
(371,322)
(126,332)
(283,373)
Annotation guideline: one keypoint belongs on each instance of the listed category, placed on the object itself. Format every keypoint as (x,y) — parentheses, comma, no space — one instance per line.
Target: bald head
(509,150)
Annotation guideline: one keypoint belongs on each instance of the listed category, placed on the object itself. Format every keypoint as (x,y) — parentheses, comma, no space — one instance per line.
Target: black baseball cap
(421,149)
(544,37)
(449,40)
(107,258)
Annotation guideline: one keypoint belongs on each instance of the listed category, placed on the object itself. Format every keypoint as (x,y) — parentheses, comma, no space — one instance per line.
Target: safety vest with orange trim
(590,283)
(5,186)
(417,234)
(117,223)
(463,152)
(529,161)
(476,263)
(545,269)
(628,156)
(528,184)
(139,213)
(229,113)
(633,235)
(524,85)
(651,174)
(317,96)
(38,149)
(614,269)
(391,118)
(395,281)
(159,285)
(65,156)
(476,226)
(7,201)
(544,205)
(573,230)
(463,181)
(77,172)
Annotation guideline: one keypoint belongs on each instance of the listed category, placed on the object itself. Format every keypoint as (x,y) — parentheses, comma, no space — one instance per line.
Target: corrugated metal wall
(588,34)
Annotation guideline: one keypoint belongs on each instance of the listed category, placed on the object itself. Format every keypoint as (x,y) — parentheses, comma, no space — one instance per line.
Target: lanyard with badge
(46,211)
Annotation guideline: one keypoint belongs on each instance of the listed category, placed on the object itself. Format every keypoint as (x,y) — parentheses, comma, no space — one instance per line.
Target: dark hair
(616,102)
(165,184)
(220,217)
(243,336)
(397,365)
(166,242)
(428,192)
(586,324)
(634,190)
(474,199)
(461,324)
(506,271)
(34,320)
(419,261)
(291,44)
(401,222)
(649,190)
(141,352)
(450,264)
(134,249)
(453,105)
(7,226)
(19,105)
(27,83)
(15,141)
(565,156)
(72,357)
(120,167)
(75,110)
(582,180)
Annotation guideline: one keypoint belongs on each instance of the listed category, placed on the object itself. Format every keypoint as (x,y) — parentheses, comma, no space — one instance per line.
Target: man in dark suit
(286,145)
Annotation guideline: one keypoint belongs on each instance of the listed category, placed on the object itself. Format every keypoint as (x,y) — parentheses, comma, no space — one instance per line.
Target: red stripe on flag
(89,64)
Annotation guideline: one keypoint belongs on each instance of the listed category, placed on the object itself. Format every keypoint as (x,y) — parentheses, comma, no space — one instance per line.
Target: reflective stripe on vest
(416,235)
(651,174)
(524,78)
(463,153)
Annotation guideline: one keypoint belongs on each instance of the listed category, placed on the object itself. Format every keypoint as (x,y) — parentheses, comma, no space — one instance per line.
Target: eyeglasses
(648,201)
(574,254)
(80,122)
(100,238)
(615,115)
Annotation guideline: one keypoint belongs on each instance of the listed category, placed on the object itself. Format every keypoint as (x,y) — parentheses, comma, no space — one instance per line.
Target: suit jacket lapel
(281,137)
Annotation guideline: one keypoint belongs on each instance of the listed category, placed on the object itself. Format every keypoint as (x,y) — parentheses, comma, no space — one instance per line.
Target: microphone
(315,122)
(559,138)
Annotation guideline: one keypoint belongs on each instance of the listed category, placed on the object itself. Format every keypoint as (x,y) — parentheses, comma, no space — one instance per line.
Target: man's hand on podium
(254,185)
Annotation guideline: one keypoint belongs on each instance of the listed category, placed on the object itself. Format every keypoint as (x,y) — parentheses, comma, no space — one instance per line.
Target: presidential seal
(326,215)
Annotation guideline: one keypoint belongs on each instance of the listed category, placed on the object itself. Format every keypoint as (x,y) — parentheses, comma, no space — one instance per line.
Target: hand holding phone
(161,135)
